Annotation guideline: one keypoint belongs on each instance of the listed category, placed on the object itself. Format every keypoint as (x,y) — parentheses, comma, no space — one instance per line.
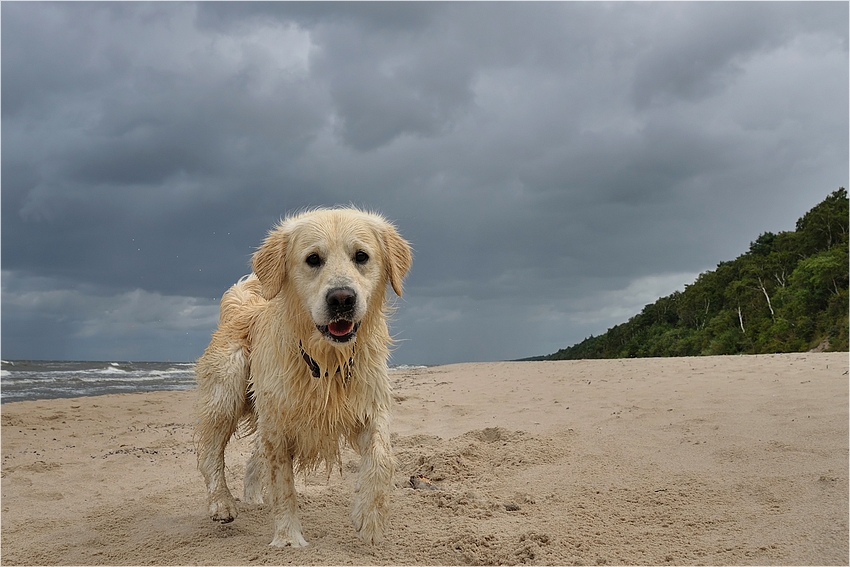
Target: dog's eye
(314,260)
(361,257)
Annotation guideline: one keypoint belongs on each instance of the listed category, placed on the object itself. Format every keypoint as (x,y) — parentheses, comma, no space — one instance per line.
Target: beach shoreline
(704,460)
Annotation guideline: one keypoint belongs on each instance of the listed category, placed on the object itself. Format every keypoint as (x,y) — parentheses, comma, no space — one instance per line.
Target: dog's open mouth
(341,330)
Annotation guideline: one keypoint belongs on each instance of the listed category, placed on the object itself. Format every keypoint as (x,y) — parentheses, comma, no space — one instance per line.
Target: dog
(299,358)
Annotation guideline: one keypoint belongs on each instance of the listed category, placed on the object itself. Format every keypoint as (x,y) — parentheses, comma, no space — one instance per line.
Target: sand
(716,460)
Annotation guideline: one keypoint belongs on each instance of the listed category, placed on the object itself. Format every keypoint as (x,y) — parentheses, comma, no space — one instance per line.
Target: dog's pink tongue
(340,328)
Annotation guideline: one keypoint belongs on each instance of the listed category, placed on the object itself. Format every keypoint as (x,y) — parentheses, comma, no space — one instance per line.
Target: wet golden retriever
(300,358)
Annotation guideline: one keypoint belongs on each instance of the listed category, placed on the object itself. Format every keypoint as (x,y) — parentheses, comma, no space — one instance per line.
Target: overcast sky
(556,166)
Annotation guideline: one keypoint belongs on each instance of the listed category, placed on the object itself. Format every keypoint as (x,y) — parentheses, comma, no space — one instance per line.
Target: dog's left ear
(269,259)
(399,257)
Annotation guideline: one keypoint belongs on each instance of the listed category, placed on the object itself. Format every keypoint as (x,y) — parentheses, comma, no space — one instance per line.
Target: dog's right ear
(269,259)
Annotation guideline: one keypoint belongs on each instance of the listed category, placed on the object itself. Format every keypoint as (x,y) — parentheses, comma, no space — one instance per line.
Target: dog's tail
(243,293)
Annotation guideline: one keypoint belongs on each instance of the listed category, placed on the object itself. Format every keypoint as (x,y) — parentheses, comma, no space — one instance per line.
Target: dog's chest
(313,416)
(327,405)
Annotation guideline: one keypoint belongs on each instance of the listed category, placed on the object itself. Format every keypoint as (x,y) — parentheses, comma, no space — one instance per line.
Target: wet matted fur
(300,358)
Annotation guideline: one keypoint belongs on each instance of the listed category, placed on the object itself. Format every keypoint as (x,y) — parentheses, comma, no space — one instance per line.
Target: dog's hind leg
(254,475)
(222,383)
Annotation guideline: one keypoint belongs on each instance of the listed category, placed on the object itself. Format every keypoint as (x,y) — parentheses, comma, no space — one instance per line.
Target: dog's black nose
(341,299)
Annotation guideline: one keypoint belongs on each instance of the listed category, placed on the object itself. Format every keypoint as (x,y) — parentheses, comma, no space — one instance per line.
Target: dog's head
(336,263)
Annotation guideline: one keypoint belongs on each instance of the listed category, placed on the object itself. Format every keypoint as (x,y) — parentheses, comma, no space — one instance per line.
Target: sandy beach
(712,460)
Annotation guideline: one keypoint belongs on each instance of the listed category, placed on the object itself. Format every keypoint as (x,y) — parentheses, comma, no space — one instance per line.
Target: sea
(22,380)
(43,380)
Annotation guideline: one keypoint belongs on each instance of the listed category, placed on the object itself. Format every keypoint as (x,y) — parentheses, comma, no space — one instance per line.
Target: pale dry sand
(717,460)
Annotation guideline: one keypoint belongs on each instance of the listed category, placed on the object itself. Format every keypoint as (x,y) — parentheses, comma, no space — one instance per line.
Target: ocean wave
(172,371)
(33,380)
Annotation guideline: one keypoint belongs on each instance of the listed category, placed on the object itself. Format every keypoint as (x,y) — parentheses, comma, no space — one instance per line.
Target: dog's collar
(316,371)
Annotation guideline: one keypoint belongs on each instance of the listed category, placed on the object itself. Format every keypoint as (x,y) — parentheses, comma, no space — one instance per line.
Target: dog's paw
(371,533)
(223,511)
(289,540)
(369,523)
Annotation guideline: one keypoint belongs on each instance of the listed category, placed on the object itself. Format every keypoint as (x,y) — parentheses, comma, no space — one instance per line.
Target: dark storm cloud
(705,44)
(556,165)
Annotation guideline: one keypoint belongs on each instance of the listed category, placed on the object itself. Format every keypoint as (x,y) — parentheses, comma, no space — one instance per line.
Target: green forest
(788,293)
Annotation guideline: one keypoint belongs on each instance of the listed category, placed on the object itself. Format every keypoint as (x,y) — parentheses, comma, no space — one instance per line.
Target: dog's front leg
(281,492)
(374,483)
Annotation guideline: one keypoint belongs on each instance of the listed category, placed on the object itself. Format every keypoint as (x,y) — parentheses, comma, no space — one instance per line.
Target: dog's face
(334,262)
(334,267)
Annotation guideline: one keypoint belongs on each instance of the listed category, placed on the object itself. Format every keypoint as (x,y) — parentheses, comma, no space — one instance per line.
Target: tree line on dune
(788,293)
